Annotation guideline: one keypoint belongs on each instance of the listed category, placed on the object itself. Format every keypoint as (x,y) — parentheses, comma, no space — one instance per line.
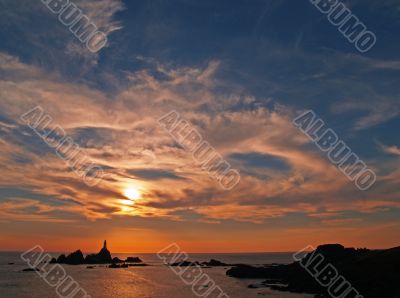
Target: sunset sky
(239,72)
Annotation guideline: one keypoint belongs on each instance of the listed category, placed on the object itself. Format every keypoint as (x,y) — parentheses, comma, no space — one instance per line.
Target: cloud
(153,174)
(379,110)
(391,149)
(47,42)
(281,174)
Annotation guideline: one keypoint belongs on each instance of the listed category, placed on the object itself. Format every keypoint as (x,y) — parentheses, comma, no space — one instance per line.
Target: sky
(239,72)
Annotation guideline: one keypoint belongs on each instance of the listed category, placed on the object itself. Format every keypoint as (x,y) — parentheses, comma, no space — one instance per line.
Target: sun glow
(132,193)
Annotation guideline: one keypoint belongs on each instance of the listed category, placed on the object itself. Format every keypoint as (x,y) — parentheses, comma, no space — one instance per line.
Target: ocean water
(154,281)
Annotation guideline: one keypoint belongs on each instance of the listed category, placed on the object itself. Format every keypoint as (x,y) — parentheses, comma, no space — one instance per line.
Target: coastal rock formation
(103,257)
(133,260)
(215,263)
(373,273)
(75,258)
(212,263)
(184,264)
(116,260)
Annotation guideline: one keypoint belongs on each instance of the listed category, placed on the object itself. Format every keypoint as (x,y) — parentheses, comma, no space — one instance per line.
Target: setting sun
(132,193)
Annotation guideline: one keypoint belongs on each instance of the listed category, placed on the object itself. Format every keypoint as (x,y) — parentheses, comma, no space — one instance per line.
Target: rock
(61,259)
(116,260)
(53,261)
(118,266)
(133,260)
(247,271)
(76,258)
(374,273)
(212,263)
(90,267)
(215,263)
(11,263)
(184,264)
(104,255)
(31,270)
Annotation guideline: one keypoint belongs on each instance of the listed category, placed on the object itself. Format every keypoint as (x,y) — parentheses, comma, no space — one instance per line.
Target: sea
(153,281)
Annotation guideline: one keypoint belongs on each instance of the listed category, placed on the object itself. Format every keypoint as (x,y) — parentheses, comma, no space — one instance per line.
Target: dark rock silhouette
(76,258)
(215,263)
(184,264)
(118,265)
(212,263)
(116,260)
(374,273)
(103,257)
(61,259)
(133,260)
(31,270)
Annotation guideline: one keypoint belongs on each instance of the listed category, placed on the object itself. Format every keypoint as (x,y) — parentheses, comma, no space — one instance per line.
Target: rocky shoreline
(374,273)
(371,273)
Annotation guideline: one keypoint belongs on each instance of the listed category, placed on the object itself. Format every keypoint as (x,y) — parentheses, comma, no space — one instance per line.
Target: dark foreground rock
(373,273)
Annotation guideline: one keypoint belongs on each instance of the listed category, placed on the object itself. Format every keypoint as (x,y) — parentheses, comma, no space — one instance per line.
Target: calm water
(155,281)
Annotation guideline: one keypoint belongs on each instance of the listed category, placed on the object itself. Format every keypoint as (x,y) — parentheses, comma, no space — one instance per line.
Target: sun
(132,193)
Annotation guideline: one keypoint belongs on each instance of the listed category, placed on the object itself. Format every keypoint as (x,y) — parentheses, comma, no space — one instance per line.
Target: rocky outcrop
(75,258)
(117,260)
(133,260)
(215,263)
(184,264)
(212,263)
(102,257)
(374,273)
(61,259)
